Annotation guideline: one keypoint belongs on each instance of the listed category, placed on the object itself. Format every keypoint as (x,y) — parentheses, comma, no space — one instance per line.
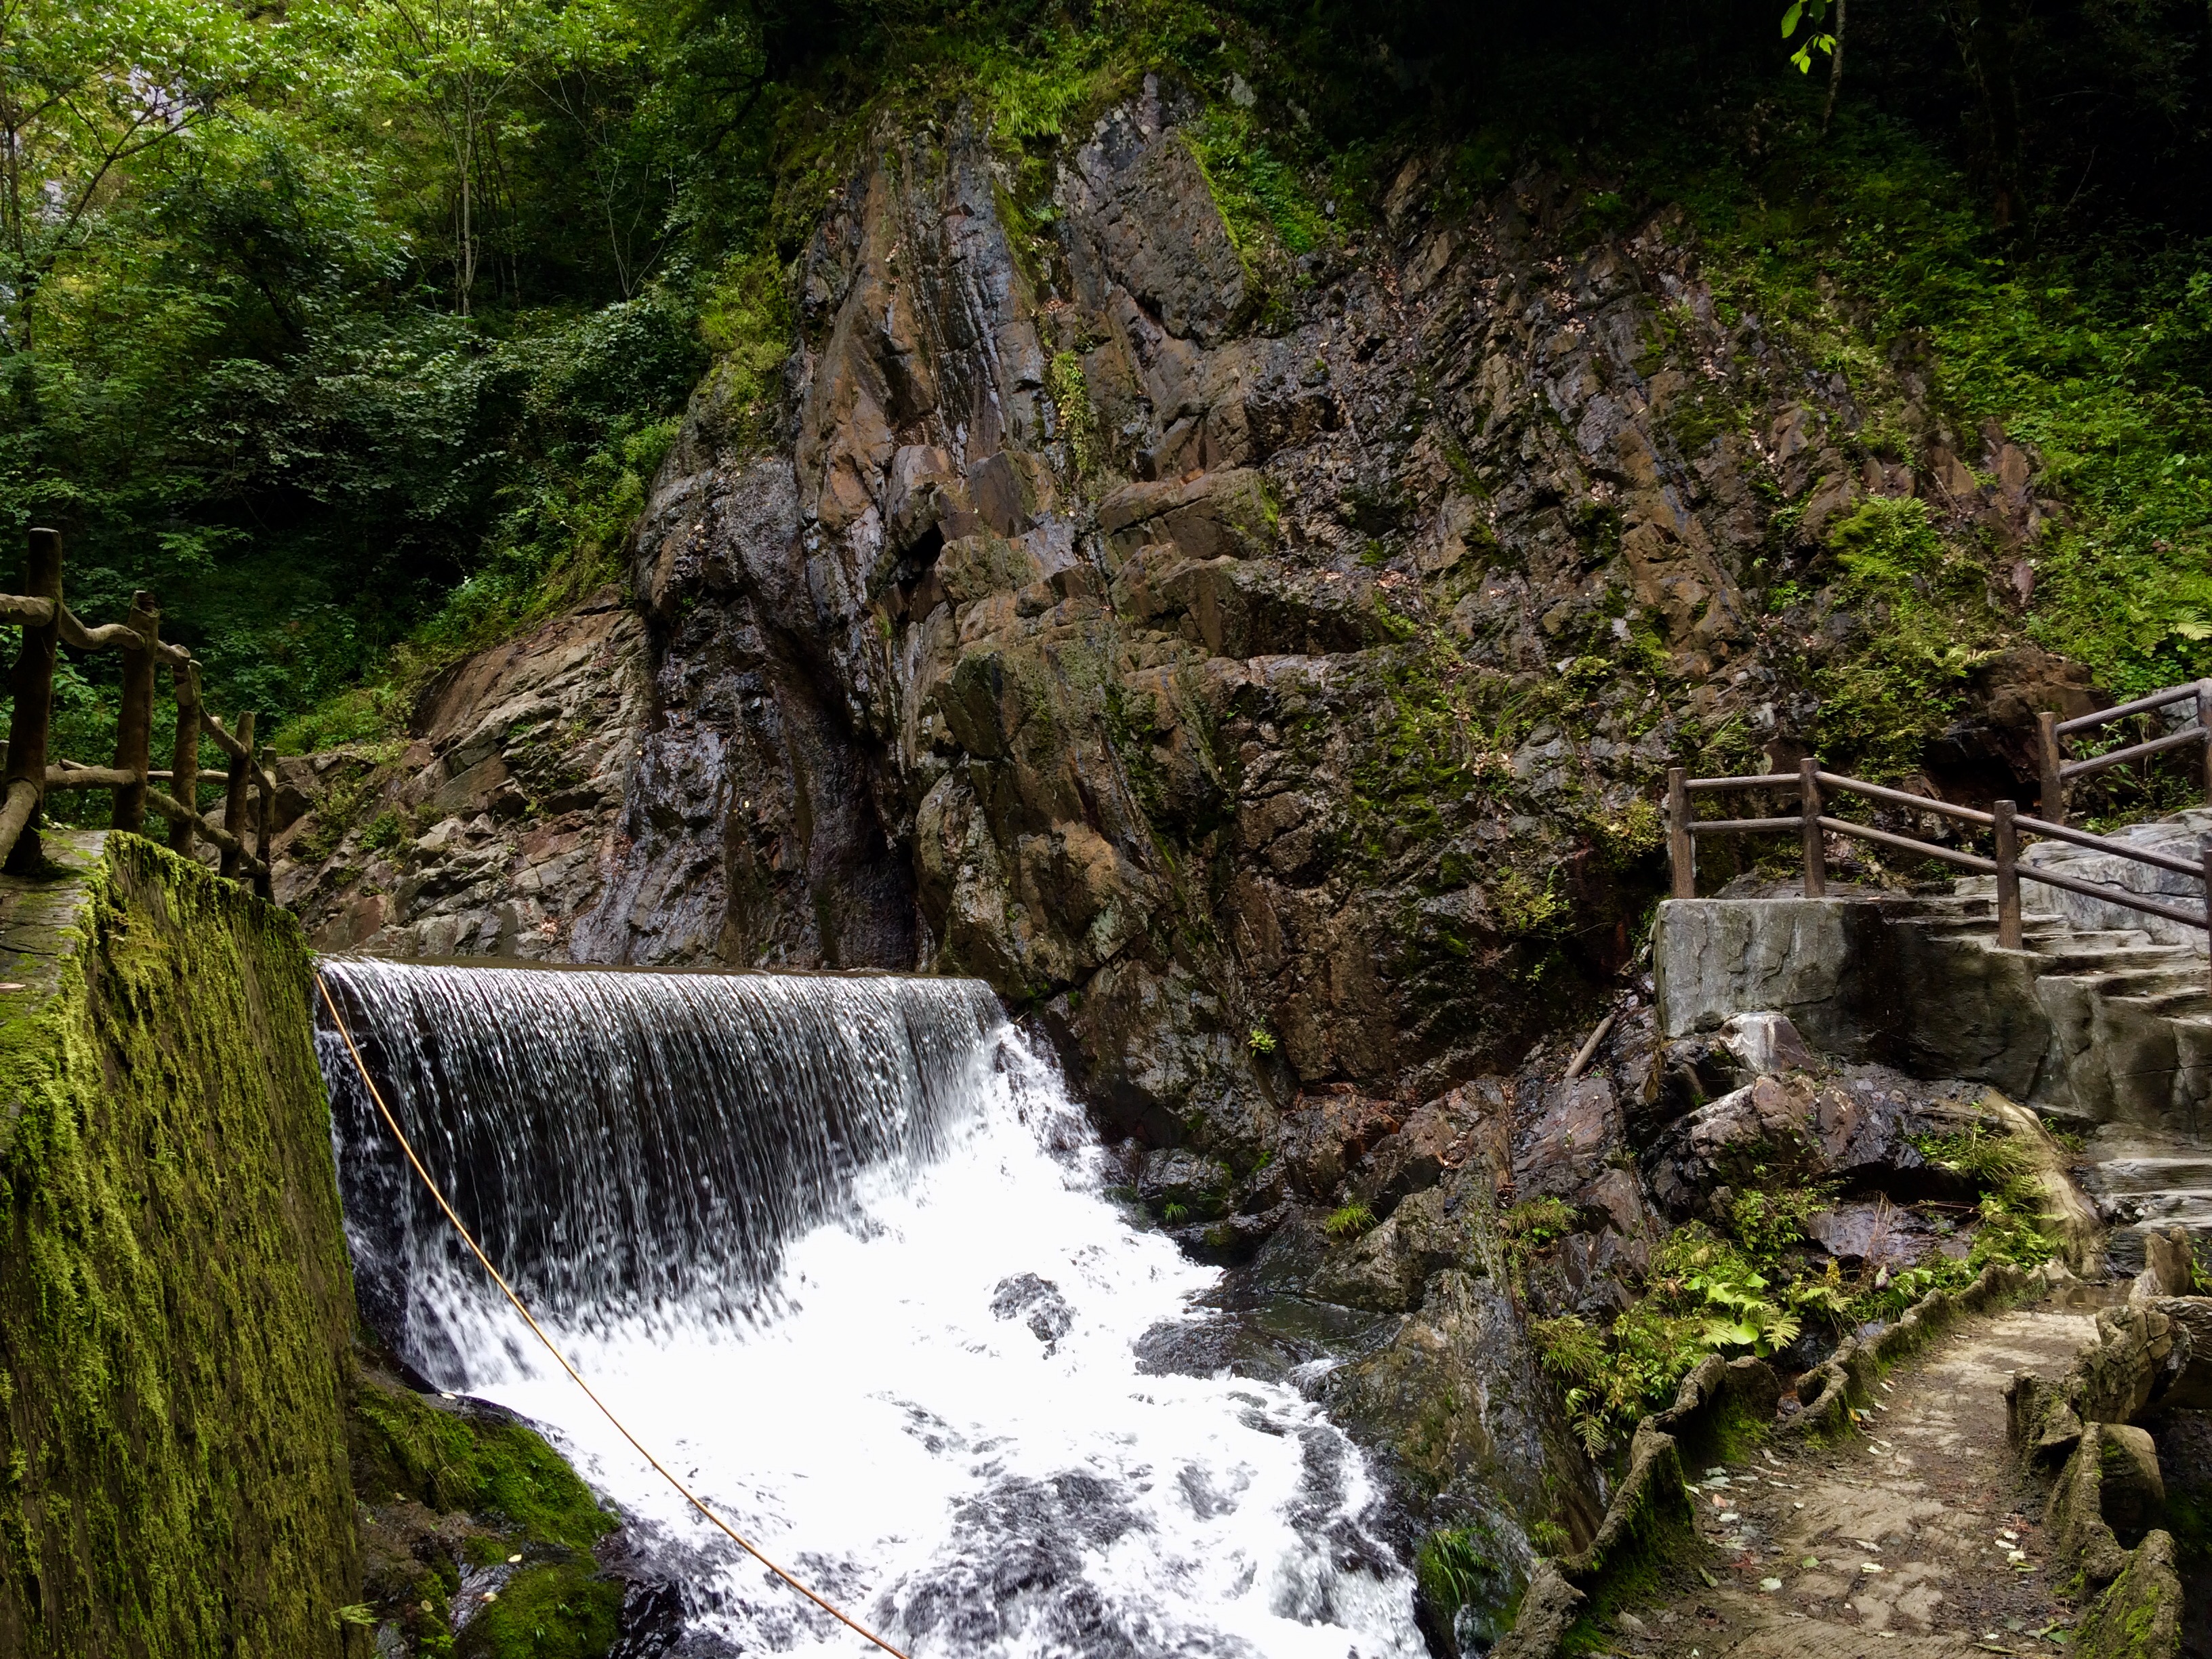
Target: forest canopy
(355,328)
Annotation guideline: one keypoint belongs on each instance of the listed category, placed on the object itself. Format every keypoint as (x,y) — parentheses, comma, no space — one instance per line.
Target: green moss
(1261,199)
(1071,403)
(558,1612)
(175,1302)
(1926,623)
(405,1446)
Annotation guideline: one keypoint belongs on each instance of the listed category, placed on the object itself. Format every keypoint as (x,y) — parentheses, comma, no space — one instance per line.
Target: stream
(839,1249)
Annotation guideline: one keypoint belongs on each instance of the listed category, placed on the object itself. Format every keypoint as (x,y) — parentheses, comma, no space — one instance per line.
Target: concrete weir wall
(1885,979)
(176,1305)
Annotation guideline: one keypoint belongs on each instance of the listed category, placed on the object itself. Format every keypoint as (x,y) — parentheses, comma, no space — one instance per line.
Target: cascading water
(838,1248)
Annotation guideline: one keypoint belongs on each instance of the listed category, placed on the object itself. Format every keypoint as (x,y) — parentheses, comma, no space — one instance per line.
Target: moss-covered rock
(464,1455)
(2140,1616)
(175,1301)
(479,1535)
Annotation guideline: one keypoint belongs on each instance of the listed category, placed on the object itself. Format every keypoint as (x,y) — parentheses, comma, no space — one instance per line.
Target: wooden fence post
(134,717)
(2007,833)
(1808,808)
(185,761)
(2204,859)
(33,688)
(233,797)
(264,817)
(2204,725)
(2052,805)
(1682,853)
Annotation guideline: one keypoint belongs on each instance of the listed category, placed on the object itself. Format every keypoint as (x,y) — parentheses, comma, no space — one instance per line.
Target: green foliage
(1071,401)
(1923,609)
(1462,1570)
(1993,1161)
(1260,1040)
(1531,1224)
(1623,837)
(1261,199)
(1348,1222)
(2092,353)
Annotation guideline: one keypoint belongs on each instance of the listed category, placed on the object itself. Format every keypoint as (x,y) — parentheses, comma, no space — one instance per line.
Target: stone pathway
(1909,1541)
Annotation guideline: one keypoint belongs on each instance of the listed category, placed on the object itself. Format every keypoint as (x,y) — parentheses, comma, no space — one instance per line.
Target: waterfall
(840,1248)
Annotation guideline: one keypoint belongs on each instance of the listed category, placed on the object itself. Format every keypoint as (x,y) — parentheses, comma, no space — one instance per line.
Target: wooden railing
(1811,824)
(48,623)
(2058,772)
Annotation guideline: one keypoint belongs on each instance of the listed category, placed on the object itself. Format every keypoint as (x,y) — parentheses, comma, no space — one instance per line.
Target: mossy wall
(175,1301)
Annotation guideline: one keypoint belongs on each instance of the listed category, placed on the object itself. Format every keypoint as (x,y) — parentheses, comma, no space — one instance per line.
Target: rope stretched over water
(469,1238)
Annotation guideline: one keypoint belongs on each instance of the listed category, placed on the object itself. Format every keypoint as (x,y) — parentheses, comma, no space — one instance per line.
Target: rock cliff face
(1174,639)
(1252,665)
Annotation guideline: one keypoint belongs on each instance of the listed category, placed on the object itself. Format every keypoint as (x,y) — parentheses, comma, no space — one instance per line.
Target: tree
(84,90)
(1814,12)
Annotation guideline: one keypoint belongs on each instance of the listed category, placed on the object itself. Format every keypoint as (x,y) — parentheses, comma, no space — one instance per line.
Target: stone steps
(2130,1060)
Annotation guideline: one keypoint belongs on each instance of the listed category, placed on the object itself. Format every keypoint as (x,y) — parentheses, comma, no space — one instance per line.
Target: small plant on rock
(1528,1227)
(1262,1041)
(1349,1222)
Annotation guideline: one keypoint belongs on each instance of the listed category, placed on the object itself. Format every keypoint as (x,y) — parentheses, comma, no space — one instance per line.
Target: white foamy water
(966,1483)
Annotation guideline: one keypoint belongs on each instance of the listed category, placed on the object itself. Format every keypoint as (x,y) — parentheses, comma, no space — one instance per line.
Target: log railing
(48,623)
(2057,772)
(1811,823)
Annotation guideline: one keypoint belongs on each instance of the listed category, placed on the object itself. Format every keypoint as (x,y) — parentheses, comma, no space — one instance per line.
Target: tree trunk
(1992,32)
(1835,71)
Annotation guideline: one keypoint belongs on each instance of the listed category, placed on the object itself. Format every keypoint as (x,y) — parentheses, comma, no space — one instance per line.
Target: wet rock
(487,835)
(1568,1143)
(1384,1269)
(1433,1140)
(1037,1303)
(1860,1129)
(1177,1183)
(1872,1235)
(1325,1135)
(1461,1411)
(1769,1124)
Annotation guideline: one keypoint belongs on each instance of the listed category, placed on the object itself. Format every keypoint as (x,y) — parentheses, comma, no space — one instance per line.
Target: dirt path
(1909,1541)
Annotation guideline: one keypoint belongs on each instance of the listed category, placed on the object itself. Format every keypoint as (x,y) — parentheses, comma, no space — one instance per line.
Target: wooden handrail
(2057,772)
(1904,797)
(2009,867)
(2140,706)
(20,612)
(2083,768)
(47,622)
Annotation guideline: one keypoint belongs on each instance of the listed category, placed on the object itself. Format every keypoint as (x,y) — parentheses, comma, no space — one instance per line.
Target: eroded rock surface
(487,831)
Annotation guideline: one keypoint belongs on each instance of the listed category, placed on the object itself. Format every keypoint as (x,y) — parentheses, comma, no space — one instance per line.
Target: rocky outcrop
(487,830)
(1251,664)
